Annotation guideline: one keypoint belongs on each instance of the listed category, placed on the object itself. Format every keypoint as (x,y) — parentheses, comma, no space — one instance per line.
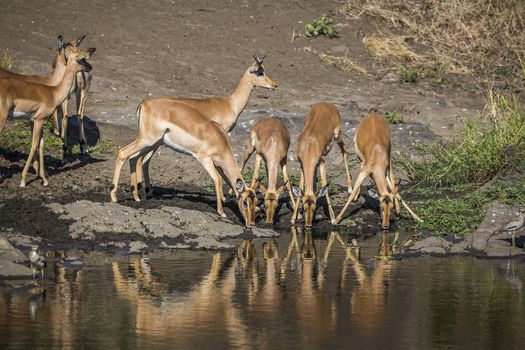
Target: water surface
(299,291)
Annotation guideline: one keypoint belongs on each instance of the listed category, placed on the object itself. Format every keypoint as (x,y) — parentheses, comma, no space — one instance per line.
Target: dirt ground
(198,49)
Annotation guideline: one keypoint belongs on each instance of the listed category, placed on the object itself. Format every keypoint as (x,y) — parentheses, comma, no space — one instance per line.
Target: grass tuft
(323,25)
(343,63)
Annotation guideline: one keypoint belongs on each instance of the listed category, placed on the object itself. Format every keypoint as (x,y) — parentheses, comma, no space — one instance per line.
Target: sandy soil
(197,49)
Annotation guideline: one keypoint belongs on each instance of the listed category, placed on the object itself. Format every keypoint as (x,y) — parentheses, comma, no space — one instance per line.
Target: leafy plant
(323,25)
(394,117)
(7,61)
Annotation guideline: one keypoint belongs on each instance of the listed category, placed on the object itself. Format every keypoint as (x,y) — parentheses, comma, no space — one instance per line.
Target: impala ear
(297,191)
(239,185)
(322,192)
(79,40)
(61,42)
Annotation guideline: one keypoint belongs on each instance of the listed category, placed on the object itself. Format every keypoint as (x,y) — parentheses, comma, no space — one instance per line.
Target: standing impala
(162,121)
(80,88)
(222,110)
(372,146)
(270,140)
(20,99)
(321,129)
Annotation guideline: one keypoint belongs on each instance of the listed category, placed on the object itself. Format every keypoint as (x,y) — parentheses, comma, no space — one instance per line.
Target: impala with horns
(270,139)
(372,146)
(222,110)
(21,99)
(80,88)
(321,129)
(163,121)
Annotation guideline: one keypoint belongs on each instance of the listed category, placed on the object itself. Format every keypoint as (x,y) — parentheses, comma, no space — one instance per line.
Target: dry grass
(481,36)
(343,62)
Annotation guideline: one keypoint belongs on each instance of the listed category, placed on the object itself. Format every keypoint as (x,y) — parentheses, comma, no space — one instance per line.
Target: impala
(80,88)
(321,129)
(222,110)
(270,139)
(21,99)
(167,122)
(372,146)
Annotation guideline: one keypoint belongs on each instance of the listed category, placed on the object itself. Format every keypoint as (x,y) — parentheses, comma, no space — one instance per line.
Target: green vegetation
(323,25)
(464,177)
(7,61)
(486,148)
(393,117)
(17,138)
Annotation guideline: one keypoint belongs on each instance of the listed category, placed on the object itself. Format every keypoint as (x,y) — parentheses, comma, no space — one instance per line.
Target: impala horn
(258,60)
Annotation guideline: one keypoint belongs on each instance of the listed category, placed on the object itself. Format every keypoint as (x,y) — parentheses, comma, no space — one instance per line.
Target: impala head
(386,203)
(271,199)
(258,76)
(67,48)
(246,200)
(79,57)
(309,203)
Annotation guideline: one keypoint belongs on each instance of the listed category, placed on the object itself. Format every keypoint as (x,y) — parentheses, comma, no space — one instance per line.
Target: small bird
(37,261)
(514,226)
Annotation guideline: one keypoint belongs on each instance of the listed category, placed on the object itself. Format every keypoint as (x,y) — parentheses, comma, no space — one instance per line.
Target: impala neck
(63,89)
(231,172)
(309,178)
(59,70)
(240,97)
(273,173)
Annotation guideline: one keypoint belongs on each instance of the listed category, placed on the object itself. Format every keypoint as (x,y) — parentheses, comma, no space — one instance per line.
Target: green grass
(460,179)
(463,213)
(7,61)
(393,117)
(486,148)
(17,138)
(323,25)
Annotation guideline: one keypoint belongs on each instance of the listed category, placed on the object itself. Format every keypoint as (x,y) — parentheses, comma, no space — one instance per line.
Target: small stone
(137,246)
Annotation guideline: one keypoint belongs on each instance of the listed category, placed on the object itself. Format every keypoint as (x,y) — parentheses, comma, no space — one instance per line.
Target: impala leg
(297,202)
(81,135)
(288,185)
(256,170)
(37,129)
(122,156)
(145,172)
(392,184)
(42,170)
(322,170)
(133,169)
(63,131)
(362,175)
(344,151)
(210,168)
(57,115)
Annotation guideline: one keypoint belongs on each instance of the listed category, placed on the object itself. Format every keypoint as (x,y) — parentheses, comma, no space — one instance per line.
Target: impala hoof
(113,197)
(45,183)
(223,215)
(22,184)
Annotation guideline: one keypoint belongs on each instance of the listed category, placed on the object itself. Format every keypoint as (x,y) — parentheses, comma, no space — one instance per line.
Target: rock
(137,246)
(391,78)
(198,229)
(433,250)
(497,216)
(10,253)
(459,248)
(9,269)
(431,242)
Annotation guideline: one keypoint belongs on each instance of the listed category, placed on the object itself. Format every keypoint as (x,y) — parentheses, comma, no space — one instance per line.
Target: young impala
(372,146)
(80,88)
(270,140)
(222,110)
(167,122)
(21,99)
(321,129)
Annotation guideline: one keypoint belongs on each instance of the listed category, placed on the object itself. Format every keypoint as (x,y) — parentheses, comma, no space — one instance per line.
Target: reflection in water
(296,291)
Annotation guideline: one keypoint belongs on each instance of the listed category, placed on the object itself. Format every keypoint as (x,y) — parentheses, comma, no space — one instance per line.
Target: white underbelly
(176,147)
(20,115)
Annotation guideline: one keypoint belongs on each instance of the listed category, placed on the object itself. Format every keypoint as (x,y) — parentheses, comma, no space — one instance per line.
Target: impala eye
(245,204)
